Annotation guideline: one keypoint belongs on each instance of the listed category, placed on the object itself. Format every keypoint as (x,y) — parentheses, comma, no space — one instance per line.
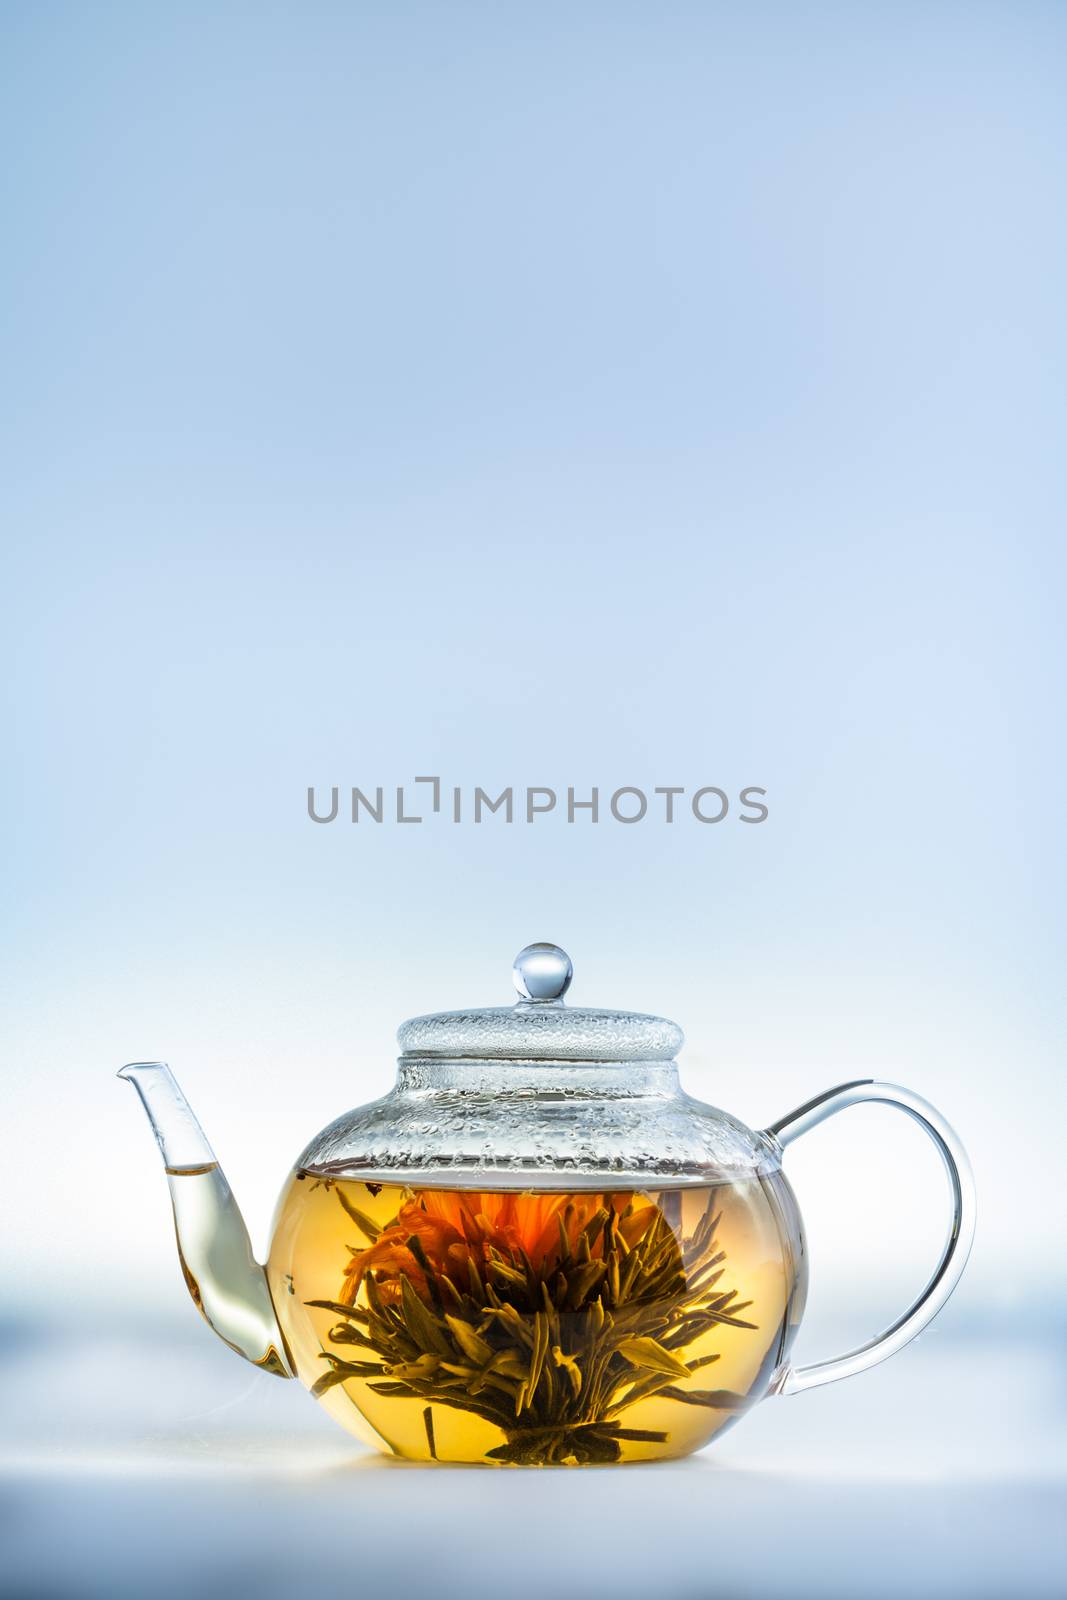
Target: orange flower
(452,1232)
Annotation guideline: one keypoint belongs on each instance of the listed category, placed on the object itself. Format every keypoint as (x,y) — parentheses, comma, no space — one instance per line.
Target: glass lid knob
(542,972)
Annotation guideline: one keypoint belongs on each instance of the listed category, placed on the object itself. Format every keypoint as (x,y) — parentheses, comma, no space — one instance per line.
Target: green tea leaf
(645,1352)
(329,1380)
(339,1308)
(717,1399)
(570,1366)
(422,1324)
(366,1224)
(472,1345)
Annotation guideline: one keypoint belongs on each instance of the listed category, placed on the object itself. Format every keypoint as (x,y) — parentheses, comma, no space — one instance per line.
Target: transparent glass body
(537,1263)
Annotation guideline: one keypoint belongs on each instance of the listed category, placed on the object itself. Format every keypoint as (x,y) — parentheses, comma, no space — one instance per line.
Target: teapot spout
(227,1284)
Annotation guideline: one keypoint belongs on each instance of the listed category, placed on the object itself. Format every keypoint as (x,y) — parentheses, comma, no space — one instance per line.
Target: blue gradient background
(537,395)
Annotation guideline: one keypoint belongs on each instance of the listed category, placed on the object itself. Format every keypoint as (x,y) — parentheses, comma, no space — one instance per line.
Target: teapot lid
(540,1027)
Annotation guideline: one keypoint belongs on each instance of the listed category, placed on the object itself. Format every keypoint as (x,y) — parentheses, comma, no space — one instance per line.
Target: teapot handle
(793,1380)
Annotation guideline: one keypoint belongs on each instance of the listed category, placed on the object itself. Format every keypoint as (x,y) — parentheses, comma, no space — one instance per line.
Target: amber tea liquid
(535,1327)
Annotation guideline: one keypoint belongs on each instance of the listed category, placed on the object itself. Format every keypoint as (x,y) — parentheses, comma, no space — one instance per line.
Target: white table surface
(149,1462)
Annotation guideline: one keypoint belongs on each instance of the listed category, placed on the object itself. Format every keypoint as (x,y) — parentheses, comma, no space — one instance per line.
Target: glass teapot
(536,1249)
